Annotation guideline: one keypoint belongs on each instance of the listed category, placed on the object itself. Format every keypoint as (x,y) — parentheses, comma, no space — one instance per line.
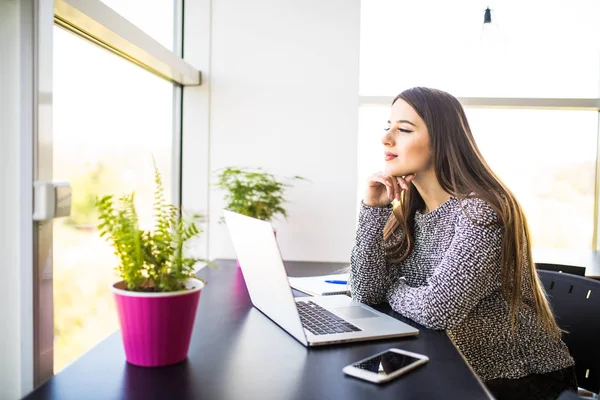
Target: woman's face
(406,142)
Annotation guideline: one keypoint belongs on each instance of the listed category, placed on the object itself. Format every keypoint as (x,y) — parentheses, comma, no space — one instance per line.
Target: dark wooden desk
(238,353)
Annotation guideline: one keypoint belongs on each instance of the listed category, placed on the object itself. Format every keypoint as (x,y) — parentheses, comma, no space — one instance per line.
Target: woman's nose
(387,139)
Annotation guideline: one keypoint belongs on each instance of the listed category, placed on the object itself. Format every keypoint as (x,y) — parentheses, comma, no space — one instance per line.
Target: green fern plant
(149,260)
(253,192)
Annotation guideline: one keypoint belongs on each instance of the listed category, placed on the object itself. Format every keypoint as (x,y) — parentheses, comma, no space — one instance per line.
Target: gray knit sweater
(451,281)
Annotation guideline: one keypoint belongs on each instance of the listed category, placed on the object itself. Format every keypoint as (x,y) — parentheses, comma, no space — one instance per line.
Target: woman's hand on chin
(383,188)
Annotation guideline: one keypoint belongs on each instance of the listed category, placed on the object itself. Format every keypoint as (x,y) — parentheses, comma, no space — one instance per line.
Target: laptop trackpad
(356,312)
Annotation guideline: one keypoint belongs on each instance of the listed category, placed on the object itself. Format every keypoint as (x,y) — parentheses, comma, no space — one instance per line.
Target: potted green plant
(253,192)
(158,294)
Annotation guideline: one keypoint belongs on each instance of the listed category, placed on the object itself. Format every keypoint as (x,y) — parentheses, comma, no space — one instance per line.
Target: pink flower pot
(156,328)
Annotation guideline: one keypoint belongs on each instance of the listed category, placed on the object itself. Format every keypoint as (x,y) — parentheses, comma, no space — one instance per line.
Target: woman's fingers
(386,182)
(404,181)
(394,185)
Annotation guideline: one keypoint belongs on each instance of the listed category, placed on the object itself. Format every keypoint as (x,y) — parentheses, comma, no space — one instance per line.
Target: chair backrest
(568,269)
(569,395)
(575,302)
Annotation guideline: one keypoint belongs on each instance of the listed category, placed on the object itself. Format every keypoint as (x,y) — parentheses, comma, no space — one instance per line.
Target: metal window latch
(51,199)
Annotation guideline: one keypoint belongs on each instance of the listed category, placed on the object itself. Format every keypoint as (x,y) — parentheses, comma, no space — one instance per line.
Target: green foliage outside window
(86,188)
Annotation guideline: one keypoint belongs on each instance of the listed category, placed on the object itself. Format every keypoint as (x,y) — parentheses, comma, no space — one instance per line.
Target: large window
(111,118)
(532,50)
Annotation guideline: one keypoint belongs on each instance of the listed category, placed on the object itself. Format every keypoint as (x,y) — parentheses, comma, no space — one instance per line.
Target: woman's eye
(404,130)
(386,129)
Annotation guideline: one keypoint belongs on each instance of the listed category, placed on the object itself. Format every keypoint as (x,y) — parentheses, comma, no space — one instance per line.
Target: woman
(454,251)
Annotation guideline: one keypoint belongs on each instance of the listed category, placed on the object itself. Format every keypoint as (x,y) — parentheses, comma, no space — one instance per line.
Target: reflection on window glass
(533,48)
(546,157)
(156,17)
(110,118)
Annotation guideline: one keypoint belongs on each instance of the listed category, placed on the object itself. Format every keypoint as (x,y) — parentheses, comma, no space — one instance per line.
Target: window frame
(100,25)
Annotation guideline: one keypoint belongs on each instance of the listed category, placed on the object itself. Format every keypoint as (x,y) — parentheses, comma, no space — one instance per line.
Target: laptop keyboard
(319,321)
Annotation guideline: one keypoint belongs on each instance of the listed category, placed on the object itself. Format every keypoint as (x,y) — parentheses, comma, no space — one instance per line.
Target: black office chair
(568,269)
(575,301)
(568,395)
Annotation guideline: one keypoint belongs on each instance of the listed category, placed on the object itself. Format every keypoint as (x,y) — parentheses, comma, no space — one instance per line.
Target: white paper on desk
(316,285)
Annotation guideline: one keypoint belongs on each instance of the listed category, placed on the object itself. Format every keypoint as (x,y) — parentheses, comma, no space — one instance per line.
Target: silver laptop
(313,321)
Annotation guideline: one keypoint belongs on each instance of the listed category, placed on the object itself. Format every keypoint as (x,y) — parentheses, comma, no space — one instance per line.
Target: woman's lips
(390,156)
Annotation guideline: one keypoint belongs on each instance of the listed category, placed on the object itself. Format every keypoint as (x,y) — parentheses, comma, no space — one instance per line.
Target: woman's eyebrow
(403,120)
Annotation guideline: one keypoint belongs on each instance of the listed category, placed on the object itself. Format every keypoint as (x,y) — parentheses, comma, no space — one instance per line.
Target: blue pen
(338,282)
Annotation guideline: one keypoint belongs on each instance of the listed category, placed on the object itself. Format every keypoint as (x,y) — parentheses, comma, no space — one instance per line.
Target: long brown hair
(462,172)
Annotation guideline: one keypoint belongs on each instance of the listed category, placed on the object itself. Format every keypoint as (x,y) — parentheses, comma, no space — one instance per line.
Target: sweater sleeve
(369,274)
(468,272)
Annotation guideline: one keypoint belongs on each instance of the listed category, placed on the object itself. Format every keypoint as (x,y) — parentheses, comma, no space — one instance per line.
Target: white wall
(284,96)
